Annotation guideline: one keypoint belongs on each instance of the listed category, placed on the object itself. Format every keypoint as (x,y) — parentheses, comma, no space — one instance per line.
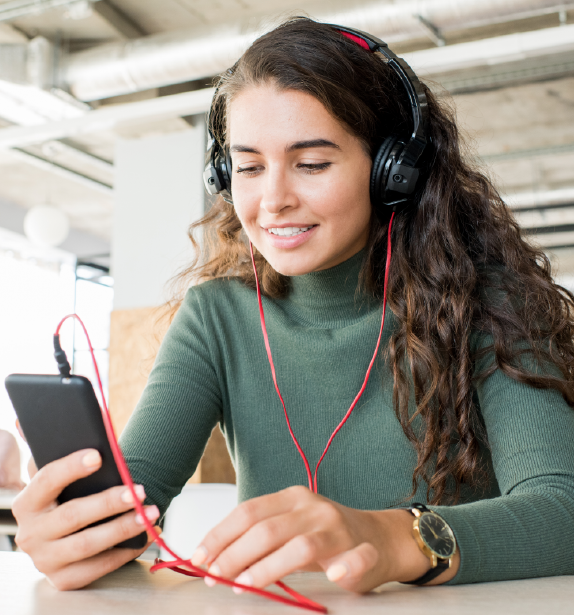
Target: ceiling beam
(539,199)
(499,76)
(433,32)
(122,25)
(554,240)
(107,118)
(64,172)
(545,220)
(536,152)
(23,8)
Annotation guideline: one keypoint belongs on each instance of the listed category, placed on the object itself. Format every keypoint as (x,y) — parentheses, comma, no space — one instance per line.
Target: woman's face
(300,180)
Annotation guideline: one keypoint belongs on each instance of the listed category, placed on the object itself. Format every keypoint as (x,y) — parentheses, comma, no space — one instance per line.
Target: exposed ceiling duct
(176,57)
(431,61)
(23,8)
(108,117)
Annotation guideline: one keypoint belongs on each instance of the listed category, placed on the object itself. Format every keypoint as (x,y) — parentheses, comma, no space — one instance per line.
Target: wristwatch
(435,539)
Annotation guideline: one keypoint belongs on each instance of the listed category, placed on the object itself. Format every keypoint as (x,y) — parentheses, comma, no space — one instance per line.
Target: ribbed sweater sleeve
(528,530)
(168,431)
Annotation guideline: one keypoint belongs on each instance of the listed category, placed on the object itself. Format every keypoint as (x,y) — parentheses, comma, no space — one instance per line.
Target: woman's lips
(279,241)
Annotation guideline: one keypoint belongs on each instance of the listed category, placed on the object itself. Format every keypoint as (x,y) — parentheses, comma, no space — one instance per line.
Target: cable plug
(61,358)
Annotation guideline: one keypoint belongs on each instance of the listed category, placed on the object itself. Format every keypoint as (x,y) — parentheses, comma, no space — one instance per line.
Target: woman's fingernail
(91,459)
(127,497)
(337,572)
(127,494)
(151,512)
(244,578)
(213,569)
(199,556)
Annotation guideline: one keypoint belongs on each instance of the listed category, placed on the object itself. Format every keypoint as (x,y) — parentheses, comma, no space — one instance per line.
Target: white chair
(197,509)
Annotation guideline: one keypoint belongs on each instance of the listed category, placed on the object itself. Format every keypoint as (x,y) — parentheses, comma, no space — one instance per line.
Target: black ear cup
(380,171)
(227,172)
(217,174)
(223,166)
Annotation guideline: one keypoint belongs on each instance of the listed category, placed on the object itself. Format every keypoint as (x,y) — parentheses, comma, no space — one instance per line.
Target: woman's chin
(291,268)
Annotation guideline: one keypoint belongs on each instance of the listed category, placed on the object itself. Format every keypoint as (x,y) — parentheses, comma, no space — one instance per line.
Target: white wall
(158,193)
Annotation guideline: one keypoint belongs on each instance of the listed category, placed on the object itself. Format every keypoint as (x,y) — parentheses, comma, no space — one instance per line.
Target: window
(38,287)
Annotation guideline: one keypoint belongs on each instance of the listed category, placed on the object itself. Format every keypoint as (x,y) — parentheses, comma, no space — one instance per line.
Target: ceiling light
(46,226)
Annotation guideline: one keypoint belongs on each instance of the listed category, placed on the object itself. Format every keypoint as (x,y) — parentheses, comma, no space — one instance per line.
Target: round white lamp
(46,225)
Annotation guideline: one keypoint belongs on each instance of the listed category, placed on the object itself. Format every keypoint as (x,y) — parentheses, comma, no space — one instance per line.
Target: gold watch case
(430,524)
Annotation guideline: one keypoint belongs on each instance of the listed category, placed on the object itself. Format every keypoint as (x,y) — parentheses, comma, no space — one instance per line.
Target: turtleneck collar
(329,298)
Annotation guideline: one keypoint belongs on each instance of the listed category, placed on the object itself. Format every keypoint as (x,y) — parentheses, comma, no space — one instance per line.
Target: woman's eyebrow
(289,148)
(244,148)
(311,143)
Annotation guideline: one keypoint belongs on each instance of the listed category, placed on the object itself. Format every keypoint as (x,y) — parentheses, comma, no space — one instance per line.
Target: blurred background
(102,137)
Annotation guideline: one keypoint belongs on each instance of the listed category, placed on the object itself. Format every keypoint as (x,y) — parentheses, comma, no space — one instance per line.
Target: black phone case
(59,416)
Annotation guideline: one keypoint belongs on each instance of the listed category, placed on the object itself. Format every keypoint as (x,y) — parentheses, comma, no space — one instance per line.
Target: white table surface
(133,590)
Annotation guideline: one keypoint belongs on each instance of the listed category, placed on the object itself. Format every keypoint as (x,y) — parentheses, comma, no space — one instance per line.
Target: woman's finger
(79,574)
(32,469)
(94,540)
(245,516)
(19,428)
(300,552)
(354,569)
(259,541)
(51,480)
(78,513)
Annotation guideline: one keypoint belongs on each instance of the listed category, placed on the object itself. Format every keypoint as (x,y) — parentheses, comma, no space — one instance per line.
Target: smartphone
(59,416)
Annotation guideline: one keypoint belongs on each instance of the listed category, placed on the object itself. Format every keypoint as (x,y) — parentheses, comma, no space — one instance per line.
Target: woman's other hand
(268,537)
(9,462)
(53,534)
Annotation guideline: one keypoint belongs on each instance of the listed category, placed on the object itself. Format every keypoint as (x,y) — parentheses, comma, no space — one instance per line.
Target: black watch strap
(442,564)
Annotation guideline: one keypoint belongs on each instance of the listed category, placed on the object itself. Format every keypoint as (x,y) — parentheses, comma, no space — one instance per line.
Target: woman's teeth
(289,231)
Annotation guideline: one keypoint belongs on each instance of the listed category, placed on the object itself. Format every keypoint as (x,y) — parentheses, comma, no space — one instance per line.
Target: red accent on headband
(363,43)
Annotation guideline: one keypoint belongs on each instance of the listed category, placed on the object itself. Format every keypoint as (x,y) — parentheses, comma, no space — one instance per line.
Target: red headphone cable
(313,480)
(297,599)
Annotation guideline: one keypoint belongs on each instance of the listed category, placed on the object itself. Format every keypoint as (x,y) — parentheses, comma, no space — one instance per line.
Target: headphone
(396,165)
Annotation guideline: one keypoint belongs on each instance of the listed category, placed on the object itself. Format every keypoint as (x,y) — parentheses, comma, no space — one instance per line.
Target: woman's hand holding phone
(56,536)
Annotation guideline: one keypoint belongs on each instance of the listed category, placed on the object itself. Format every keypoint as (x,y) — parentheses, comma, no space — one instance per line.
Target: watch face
(437,535)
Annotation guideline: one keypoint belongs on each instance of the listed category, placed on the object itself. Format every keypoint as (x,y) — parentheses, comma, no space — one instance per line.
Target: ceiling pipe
(24,8)
(176,57)
(108,117)
(188,103)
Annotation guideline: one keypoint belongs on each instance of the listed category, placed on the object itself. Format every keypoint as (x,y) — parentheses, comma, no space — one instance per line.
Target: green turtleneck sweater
(212,367)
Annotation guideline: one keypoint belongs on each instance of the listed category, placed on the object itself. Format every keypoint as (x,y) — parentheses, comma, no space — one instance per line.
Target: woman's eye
(314,168)
(309,168)
(247,170)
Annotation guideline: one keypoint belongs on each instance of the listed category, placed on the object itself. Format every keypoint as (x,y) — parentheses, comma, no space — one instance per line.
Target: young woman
(469,404)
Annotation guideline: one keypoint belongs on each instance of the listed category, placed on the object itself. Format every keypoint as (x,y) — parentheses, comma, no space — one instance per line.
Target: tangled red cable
(296,599)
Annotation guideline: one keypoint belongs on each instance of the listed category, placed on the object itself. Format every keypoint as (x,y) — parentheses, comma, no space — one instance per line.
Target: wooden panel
(135,336)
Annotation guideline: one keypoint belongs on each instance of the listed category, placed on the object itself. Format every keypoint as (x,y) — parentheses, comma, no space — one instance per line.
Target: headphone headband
(395,171)
(417,97)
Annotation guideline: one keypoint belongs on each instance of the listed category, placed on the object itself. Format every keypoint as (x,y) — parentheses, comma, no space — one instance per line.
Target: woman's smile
(290,236)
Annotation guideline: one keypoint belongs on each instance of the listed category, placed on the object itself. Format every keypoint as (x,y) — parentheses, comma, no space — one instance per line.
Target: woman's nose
(277,192)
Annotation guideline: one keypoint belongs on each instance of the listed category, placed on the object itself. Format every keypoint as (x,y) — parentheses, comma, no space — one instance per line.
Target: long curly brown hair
(460,266)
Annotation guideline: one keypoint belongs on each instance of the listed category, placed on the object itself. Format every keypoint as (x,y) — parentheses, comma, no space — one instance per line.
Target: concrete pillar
(158,193)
